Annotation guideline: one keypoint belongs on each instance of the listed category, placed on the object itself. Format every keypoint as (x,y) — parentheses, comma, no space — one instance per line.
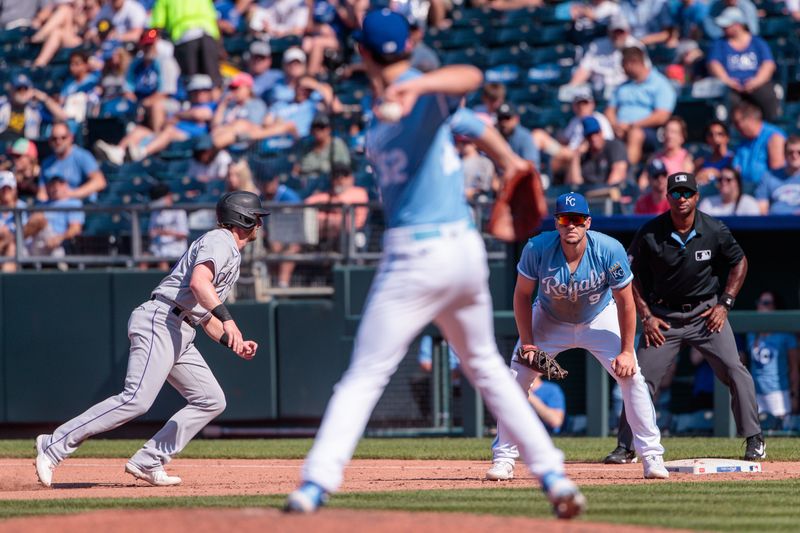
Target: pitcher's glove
(540,361)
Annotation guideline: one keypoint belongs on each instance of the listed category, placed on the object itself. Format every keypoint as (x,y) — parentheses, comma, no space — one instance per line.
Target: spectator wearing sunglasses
(77,167)
(730,200)
(683,296)
(779,192)
(775,364)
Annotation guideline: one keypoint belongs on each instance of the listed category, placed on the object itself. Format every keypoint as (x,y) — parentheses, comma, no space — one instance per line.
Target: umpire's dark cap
(681,180)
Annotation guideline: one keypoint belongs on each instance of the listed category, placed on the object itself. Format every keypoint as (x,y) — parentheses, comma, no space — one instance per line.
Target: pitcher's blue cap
(572,203)
(383,32)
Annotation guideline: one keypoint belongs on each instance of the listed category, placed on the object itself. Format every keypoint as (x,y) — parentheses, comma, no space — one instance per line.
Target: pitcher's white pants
(601,337)
(423,279)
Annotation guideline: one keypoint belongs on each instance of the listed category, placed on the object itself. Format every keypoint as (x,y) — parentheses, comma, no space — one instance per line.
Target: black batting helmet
(240,208)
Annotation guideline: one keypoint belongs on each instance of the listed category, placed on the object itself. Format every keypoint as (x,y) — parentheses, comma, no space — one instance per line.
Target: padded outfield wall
(63,337)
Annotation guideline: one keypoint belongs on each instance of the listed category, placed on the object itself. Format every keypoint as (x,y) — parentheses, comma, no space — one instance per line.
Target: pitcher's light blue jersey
(577,297)
(419,173)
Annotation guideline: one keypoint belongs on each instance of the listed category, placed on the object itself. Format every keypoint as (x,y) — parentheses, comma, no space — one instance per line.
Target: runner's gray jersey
(218,247)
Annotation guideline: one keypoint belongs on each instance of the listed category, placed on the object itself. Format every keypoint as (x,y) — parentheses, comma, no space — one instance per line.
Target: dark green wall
(64,347)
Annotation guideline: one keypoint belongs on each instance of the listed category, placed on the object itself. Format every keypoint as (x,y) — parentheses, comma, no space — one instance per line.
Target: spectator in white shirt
(169,228)
(602,63)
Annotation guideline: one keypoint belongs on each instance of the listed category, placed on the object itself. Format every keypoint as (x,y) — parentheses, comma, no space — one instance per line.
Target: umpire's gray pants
(719,349)
(162,349)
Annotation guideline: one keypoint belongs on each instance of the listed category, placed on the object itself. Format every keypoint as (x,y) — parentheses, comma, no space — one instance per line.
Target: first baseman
(584,301)
(162,332)
(433,269)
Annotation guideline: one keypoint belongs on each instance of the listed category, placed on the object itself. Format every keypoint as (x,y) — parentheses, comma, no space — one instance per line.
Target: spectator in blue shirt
(548,400)
(231,15)
(239,113)
(184,125)
(8,224)
(79,86)
(689,17)
(275,191)
(650,20)
(715,9)
(775,365)
(259,65)
(518,137)
(779,191)
(641,105)
(144,82)
(74,165)
(744,63)
(49,230)
(762,147)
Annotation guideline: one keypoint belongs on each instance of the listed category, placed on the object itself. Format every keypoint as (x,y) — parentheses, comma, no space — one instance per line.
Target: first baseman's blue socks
(550,478)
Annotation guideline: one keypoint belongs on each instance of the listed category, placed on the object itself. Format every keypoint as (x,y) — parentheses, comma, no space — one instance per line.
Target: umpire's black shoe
(756,448)
(621,456)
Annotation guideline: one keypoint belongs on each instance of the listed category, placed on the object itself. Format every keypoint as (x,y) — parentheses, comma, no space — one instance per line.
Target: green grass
(764,506)
(576,448)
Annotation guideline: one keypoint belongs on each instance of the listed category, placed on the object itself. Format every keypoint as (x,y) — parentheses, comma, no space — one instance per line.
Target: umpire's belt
(175,310)
(684,307)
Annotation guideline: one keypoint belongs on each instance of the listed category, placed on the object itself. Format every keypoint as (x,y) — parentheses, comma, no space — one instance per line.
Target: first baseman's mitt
(540,361)
(519,207)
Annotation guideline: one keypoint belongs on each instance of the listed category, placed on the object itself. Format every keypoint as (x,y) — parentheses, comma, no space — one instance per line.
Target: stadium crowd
(115,102)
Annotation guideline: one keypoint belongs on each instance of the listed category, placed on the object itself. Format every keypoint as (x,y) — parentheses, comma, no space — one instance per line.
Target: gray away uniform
(162,333)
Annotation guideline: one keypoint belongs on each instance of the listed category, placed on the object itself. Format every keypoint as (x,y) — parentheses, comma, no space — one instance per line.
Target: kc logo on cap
(570,201)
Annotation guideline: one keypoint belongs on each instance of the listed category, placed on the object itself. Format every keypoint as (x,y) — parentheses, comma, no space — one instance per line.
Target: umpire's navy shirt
(677,269)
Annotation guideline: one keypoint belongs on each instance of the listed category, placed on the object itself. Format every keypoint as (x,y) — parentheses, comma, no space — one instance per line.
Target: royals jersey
(217,247)
(418,169)
(579,296)
(769,360)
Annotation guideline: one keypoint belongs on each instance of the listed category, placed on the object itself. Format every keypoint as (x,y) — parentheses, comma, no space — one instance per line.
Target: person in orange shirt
(343,191)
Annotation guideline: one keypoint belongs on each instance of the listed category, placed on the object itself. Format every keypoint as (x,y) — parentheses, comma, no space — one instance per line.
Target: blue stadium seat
(106,224)
(781,26)
(476,56)
(178,150)
(506,73)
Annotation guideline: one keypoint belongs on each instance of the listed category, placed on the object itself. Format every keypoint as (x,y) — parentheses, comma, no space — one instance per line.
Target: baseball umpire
(678,259)
(162,332)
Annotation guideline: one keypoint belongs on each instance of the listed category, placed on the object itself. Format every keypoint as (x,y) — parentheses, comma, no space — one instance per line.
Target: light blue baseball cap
(572,203)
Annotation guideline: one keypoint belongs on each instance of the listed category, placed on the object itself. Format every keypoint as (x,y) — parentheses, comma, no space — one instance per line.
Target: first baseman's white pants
(601,337)
(437,279)
(777,403)
(162,349)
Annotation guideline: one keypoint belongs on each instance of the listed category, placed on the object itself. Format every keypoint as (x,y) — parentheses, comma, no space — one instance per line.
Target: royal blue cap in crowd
(590,126)
(383,32)
(572,203)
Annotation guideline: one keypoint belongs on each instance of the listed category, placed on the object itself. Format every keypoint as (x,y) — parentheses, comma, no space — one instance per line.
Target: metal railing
(314,235)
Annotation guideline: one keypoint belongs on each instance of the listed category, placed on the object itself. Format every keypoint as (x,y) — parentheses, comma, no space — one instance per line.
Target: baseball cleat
(500,471)
(654,467)
(157,477)
(620,456)
(564,495)
(306,499)
(44,466)
(756,448)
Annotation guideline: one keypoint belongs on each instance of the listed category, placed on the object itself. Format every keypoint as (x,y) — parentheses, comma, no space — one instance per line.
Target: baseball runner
(162,333)
(584,301)
(418,281)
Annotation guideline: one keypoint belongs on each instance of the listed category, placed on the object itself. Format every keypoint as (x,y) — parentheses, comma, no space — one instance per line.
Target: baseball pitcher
(433,269)
(162,332)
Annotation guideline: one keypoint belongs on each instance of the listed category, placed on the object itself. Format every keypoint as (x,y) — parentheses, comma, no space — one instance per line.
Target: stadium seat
(506,73)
